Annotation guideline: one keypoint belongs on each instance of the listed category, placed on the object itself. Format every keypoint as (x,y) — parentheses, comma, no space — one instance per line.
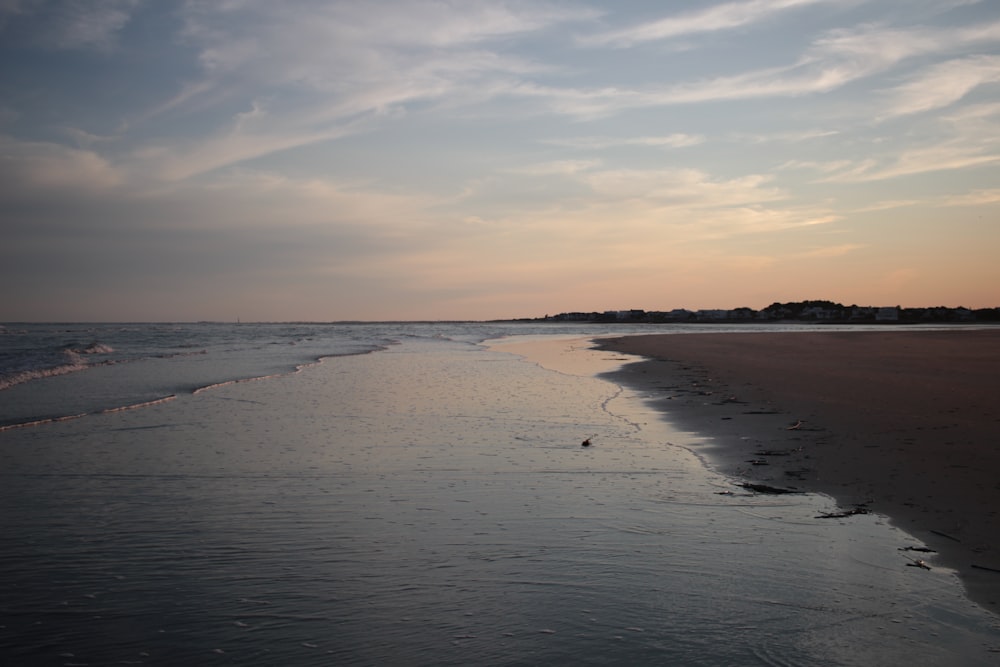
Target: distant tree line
(798,311)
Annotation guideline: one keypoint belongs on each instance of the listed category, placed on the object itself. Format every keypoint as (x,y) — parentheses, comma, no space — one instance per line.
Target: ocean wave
(75,364)
(21,368)
(171,360)
(94,348)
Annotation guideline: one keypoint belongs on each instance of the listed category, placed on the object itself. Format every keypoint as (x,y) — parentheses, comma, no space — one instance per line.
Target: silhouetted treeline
(800,311)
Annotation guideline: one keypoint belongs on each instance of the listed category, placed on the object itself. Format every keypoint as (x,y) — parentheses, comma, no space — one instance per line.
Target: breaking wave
(25,368)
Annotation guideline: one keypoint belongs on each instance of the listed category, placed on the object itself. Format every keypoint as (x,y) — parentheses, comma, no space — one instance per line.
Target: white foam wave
(95,348)
(297,369)
(73,359)
(38,422)
(136,406)
(122,408)
(76,364)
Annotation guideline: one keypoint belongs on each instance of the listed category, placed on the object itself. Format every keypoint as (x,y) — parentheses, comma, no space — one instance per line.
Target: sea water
(427,502)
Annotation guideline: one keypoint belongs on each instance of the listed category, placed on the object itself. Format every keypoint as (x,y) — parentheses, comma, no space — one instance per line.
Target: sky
(464,159)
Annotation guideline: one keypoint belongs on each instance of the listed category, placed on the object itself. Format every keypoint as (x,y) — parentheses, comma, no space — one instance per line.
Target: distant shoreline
(898,422)
(816,311)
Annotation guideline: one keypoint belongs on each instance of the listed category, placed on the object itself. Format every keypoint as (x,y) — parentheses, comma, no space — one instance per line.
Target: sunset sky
(324,160)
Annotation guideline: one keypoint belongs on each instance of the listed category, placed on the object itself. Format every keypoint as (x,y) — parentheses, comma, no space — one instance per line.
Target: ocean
(413,494)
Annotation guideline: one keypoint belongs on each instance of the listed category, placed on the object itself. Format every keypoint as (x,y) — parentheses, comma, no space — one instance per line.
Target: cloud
(943,84)
(266,198)
(873,48)
(690,187)
(28,168)
(178,160)
(888,205)
(821,166)
(719,17)
(983,197)
(677,140)
(974,198)
(326,69)
(335,46)
(838,58)
(626,213)
(556,167)
(335,69)
(792,137)
(834,251)
(78,25)
(941,157)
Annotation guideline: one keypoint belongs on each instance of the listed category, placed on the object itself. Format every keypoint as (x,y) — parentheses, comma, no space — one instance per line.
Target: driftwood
(860,509)
(918,563)
(777,452)
(764,488)
(984,567)
(950,537)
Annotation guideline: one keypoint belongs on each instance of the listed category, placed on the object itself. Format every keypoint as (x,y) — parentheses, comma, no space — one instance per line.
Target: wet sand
(903,423)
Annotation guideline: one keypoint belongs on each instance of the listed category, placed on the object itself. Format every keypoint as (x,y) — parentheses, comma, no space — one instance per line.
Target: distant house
(626,315)
(820,313)
(776,311)
(887,314)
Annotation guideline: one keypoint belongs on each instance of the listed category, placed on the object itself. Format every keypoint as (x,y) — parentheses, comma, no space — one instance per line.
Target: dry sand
(906,423)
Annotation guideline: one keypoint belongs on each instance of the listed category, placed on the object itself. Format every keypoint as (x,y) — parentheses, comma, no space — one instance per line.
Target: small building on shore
(887,314)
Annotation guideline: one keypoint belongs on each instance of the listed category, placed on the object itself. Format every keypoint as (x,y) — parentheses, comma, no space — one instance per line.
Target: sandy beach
(901,423)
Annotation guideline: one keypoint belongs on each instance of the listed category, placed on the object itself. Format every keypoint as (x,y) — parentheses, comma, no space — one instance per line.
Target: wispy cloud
(834,251)
(327,69)
(33,168)
(556,167)
(888,205)
(834,60)
(941,157)
(79,25)
(719,17)
(678,140)
(981,197)
(974,198)
(943,84)
(825,167)
(691,204)
(175,161)
(340,69)
(690,187)
(793,137)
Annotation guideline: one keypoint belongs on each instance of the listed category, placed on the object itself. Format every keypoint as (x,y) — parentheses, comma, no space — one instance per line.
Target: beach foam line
(228,383)
(39,422)
(297,369)
(170,397)
(136,406)
(121,408)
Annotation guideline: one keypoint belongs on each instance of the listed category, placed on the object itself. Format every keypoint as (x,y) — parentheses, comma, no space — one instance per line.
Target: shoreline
(904,424)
